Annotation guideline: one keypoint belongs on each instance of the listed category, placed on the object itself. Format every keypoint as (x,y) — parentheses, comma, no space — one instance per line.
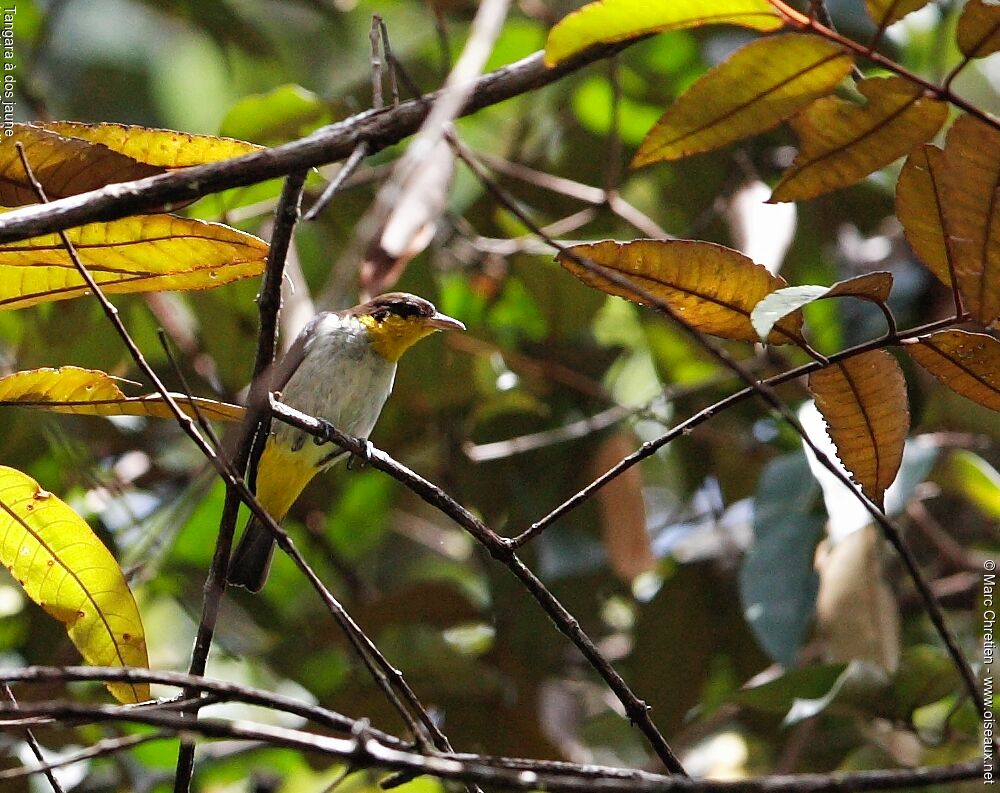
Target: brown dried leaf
(972,189)
(968,363)
(623,511)
(842,142)
(921,208)
(978,31)
(64,166)
(709,286)
(885,12)
(753,90)
(863,400)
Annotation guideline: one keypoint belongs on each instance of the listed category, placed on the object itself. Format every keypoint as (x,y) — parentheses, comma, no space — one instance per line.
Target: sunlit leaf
(977,480)
(863,400)
(968,363)
(885,12)
(281,114)
(921,208)
(71,389)
(978,31)
(755,89)
(841,142)
(135,254)
(164,148)
(63,166)
(710,287)
(972,179)
(873,287)
(618,20)
(64,567)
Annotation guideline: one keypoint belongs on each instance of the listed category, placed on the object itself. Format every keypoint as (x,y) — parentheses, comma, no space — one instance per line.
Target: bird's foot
(362,459)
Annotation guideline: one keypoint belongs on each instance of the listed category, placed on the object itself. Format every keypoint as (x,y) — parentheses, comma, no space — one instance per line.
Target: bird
(340,368)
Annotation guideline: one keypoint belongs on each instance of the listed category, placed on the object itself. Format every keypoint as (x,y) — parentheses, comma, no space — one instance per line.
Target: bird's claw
(364,458)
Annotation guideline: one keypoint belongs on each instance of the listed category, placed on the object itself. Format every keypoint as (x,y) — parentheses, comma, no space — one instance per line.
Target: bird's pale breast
(342,379)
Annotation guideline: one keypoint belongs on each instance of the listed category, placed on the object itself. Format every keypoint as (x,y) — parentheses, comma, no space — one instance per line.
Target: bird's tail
(281,476)
(251,560)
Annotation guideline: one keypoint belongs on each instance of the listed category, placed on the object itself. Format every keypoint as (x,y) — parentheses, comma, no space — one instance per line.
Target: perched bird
(340,368)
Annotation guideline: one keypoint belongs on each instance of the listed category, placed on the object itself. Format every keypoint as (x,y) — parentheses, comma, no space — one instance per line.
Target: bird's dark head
(398,320)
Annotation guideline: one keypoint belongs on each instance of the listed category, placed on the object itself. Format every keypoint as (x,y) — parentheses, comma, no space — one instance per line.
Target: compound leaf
(873,287)
(163,148)
(978,31)
(63,166)
(921,208)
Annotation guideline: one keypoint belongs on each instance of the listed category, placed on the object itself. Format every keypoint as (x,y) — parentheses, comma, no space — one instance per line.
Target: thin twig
(381,128)
(286,215)
(500,549)
(364,750)
(103,748)
(35,747)
(353,161)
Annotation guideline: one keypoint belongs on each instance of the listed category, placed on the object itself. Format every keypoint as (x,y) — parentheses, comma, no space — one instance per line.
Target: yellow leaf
(63,166)
(979,29)
(874,287)
(968,363)
(136,254)
(71,389)
(755,89)
(921,208)
(164,148)
(710,287)
(863,400)
(885,12)
(617,20)
(972,182)
(64,567)
(841,142)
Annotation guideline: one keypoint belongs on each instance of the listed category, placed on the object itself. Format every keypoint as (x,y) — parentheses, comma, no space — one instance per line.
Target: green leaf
(618,20)
(778,584)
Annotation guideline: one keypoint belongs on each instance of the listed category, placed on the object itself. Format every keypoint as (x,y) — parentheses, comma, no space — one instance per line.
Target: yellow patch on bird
(395,335)
(281,476)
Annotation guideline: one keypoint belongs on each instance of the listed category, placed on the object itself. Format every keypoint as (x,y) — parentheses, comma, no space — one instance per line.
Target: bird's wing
(283,370)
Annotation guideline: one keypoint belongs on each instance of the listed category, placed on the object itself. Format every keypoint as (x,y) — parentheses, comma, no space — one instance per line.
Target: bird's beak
(444,322)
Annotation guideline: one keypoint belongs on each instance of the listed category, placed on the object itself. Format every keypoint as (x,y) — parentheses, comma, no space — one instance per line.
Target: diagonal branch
(380,128)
